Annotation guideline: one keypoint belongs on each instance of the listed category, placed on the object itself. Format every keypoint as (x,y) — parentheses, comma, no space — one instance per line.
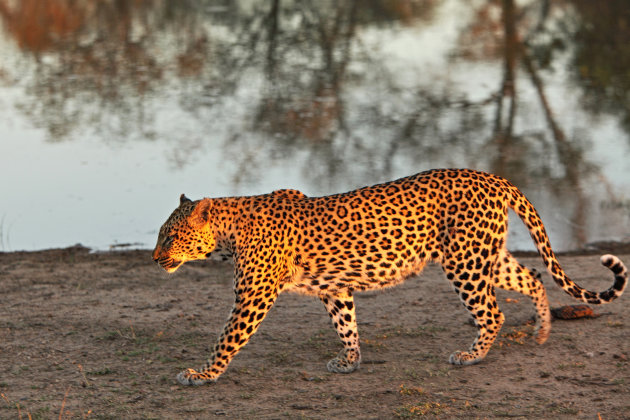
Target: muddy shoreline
(103,335)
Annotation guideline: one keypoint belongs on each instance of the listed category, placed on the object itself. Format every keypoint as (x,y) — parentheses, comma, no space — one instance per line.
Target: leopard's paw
(192,377)
(346,361)
(542,334)
(463,358)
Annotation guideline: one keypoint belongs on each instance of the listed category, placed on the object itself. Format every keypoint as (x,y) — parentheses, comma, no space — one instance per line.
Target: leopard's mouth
(169,264)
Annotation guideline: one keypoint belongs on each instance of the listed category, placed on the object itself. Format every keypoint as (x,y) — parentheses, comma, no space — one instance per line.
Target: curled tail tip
(621,275)
(614,264)
(608,260)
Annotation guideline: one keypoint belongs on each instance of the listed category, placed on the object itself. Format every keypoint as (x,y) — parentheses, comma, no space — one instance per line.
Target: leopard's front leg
(253,302)
(341,311)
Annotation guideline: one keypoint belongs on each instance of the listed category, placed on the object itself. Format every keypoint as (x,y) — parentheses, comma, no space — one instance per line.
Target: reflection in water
(338,94)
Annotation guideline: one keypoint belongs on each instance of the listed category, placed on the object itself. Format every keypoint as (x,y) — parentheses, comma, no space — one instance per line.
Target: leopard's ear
(201,213)
(183,199)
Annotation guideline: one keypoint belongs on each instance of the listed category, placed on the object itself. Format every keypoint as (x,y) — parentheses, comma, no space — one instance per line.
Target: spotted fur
(367,239)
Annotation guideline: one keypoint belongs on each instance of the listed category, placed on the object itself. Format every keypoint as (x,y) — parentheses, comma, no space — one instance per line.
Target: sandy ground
(103,335)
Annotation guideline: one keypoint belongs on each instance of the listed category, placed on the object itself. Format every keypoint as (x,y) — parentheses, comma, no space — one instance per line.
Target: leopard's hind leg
(475,288)
(341,310)
(509,274)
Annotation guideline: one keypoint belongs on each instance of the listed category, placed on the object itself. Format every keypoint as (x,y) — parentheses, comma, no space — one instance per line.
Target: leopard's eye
(168,241)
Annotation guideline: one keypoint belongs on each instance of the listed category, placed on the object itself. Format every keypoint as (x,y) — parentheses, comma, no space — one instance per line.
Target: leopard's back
(377,236)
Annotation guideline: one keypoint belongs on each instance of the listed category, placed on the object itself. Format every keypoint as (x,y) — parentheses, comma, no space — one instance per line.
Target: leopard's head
(186,235)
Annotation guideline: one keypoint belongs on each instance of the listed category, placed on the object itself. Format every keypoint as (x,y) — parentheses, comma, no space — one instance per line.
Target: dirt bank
(103,336)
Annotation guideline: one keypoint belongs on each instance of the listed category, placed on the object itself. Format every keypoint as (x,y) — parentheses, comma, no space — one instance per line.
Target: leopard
(375,237)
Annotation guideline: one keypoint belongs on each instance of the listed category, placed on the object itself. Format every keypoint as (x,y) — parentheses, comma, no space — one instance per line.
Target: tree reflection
(516,153)
(283,80)
(94,63)
(601,61)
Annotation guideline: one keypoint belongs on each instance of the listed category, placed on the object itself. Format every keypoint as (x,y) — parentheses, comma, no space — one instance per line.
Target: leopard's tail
(528,214)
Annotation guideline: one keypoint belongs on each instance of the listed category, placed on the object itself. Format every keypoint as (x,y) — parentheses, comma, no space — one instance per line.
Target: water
(110,110)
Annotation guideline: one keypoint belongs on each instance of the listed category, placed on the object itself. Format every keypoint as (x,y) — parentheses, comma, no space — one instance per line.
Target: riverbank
(102,335)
